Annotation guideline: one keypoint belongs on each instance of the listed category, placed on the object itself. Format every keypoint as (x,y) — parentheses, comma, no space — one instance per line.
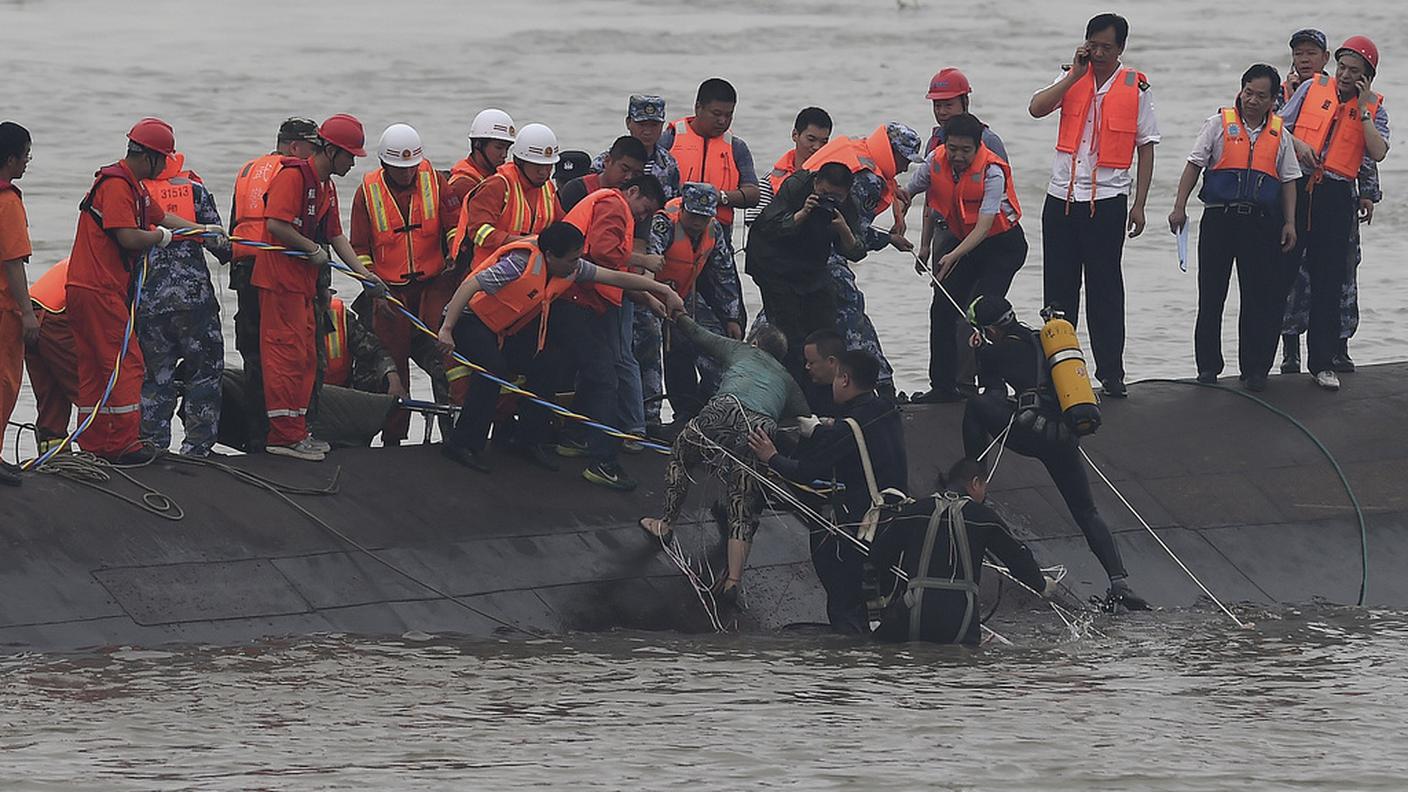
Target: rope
(1334,463)
(93,471)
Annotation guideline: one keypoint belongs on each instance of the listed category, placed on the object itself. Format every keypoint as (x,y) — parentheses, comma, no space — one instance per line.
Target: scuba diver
(1054,405)
(940,542)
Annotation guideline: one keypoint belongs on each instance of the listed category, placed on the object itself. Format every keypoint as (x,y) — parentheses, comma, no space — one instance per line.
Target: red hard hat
(345,132)
(155,134)
(1364,48)
(948,84)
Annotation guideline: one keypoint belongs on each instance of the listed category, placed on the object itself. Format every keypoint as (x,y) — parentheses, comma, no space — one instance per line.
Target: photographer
(788,249)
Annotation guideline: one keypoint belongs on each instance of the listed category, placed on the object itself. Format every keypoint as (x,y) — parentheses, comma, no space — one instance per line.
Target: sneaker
(10,474)
(142,455)
(936,396)
(321,445)
(1115,388)
(303,449)
(609,474)
(1328,380)
(1207,378)
(1121,594)
(571,447)
(538,455)
(632,447)
(1342,363)
(466,457)
(1256,383)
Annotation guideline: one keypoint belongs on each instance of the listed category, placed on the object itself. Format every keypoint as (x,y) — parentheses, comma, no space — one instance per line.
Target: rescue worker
(403,217)
(1107,114)
(1339,124)
(50,360)
(624,161)
(940,543)
(1309,56)
(298,138)
(821,354)
(950,93)
(301,213)
(868,430)
(645,121)
(875,161)
(1249,216)
(1012,355)
(971,189)
(118,222)
(517,201)
(509,318)
(178,321)
(689,237)
(756,394)
(19,327)
(491,134)
(607,219)
(355,357)
(810,131)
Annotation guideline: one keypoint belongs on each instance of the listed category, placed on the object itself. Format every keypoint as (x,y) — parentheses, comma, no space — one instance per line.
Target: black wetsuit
(947,590)
(1017,360)
(832,450)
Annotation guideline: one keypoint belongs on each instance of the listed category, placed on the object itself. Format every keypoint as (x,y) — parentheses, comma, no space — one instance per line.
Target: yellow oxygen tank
(1069,378)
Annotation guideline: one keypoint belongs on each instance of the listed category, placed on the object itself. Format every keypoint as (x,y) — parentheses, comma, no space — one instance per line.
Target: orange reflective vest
(581,217)
(874,154)
(465,175)
(1323,117)
(684,258)
(130,258)
(785,166)
(960,201)
(335,348)
(1116,119)
(247,216)
(1246,172)
(527,210)
(704,159)
(50,292)
(172,189)
(512,307)
(404,251)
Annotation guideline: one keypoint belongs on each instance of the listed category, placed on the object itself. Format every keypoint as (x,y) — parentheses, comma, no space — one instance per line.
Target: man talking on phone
(1339,124)
(1107,114)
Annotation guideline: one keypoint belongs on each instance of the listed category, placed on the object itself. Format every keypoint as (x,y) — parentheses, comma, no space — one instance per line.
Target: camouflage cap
(644,107)
(905,140)
(700,198)
(1311,35)
(298,129)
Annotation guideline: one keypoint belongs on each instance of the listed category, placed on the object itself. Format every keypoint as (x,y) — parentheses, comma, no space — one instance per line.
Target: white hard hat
(492,124)
(536,144)
(400,146)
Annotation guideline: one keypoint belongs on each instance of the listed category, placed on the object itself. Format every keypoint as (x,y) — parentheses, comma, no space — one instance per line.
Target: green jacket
(758,380)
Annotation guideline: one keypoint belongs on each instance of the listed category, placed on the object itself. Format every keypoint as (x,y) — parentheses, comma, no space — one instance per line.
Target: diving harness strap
(951,505)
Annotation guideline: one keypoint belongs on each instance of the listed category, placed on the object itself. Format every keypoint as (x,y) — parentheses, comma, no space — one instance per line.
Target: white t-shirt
(1109,182)
(1207,150)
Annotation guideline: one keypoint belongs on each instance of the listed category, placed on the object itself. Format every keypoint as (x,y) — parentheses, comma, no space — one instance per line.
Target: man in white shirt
(1107,114)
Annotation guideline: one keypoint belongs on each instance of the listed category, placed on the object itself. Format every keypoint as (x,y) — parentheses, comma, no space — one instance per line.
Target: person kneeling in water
(940,542)
(755,393)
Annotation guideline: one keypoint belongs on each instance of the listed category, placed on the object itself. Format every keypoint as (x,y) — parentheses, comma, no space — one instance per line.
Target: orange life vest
(50,292)
(684,258)
(405,251)
(247,216)
(172,189)
(1323,117)
(336,348)
(704,159)
(960,201)
(466,170)
(581,217)
(874,154)
(785,166)
(1116,119)
(117,170)
(1246,172)
(527,210)
(512,307)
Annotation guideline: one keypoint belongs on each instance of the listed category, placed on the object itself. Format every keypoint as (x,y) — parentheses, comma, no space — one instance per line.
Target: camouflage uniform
(178,328)
(660,163)
(1297,319)
(717,293)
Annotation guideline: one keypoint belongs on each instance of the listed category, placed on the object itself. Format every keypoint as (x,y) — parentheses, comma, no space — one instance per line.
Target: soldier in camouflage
(645,120)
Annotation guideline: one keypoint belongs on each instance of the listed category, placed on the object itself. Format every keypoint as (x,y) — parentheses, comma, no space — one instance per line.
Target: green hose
(1353,499)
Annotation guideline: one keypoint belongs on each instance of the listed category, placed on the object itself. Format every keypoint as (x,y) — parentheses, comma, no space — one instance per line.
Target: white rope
(1167,549)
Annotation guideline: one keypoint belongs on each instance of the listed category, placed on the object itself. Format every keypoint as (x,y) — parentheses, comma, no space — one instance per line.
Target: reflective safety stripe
(376,202)
(286,413)
(112,409)
(1067,354)
(457,372)
(483,233)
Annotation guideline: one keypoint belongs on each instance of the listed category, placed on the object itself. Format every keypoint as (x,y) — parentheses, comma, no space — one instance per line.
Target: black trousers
(985,416)
(1253,242)
(985,272)
(1078,244)
(1325,219)
(518,355)
(798,315)
(247,342)
(841,570)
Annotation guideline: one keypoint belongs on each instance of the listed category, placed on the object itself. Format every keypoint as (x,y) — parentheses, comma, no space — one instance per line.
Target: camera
(827,207)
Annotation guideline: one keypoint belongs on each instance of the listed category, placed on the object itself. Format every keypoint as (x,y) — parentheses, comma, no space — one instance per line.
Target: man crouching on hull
(1012,355)
(940,542)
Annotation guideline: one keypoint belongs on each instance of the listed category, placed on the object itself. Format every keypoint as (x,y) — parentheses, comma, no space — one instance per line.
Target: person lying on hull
(1054,404)
(939,542)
